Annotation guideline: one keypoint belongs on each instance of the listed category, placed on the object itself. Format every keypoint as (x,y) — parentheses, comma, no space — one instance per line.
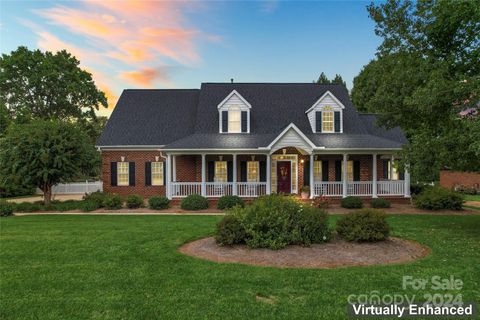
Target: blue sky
(127,44)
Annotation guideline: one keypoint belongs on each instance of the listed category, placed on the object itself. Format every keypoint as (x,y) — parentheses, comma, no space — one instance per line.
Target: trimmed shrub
(159,203)
(27,207)
(112,201)
(352,203)
(273,222)
(97,196)
(230,231)
(438,198)
(365,225)
(89,205)
(134,201)
(380,203)
(227,202)
(194,202)
(6,209)
(312,227)
(64,205)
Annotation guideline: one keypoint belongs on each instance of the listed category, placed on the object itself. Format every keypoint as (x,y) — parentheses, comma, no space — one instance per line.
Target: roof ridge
(279,83)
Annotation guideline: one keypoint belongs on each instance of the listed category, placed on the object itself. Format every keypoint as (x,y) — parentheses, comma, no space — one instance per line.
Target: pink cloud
(132,37)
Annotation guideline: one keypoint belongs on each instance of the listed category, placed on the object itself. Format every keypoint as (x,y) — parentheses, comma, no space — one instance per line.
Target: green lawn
(127,267)
(469,197)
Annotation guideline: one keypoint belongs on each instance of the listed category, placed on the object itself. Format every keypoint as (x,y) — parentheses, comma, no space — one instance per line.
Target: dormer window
(234,114)
(326,114)
(234,119)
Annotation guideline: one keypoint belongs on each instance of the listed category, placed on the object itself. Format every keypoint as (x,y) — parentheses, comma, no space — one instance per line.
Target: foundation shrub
(365,225)
(159,203)
(134,201)
(352,203)
(227,202)
(194,202)
(380,203)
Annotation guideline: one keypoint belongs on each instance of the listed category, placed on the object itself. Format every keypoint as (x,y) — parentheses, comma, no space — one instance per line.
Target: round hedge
(134,201)
(365,225)
(380,203)
(159,203)
(352,203)
(194,202)
(227,202)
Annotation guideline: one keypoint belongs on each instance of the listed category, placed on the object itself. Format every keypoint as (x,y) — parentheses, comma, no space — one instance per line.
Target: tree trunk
(47,194)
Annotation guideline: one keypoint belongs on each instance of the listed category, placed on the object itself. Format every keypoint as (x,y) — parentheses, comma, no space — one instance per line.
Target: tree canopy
(323,79)
(46,152)
(425,73)
(36,84)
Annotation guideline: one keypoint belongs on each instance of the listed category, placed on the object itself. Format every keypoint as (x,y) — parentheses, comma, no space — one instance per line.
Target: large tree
(36,84)
(46,152)
(426,72)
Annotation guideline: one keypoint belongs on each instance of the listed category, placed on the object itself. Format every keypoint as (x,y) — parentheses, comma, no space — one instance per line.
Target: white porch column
(374,176)
(234,176)
(169,176)
(204,186)
(312,183)
(407,183)
(269,174)
(345,176)
(174,168)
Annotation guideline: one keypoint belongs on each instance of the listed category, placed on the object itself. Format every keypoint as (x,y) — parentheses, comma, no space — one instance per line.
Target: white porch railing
(75,187)
(391,188)
(183,189)
(359,188)
(251,189)
(329,188)
(219,189)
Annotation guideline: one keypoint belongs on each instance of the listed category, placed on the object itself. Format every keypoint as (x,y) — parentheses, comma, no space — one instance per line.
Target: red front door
(284,177)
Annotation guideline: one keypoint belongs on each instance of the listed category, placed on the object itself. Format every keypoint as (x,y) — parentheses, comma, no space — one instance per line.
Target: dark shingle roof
(150,117)
(188,119)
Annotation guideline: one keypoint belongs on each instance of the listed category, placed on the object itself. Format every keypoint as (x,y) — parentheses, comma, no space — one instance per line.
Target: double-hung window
(220,171)
(349,170)
(122,174)
(317,170)
(253,171)
(234,119)
(327,121)
(157,173)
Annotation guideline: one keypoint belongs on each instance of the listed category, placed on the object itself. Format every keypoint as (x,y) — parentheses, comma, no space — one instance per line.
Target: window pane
(317,170)
(234,119)
(220,171)
(122,174)
(157,173)
(349,170)
(327,121)
(253,172)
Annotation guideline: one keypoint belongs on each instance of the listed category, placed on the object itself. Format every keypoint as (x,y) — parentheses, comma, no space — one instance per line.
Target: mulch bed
(334,254)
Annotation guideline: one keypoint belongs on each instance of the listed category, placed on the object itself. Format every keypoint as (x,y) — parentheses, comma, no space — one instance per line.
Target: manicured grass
(470,197)
(128,267)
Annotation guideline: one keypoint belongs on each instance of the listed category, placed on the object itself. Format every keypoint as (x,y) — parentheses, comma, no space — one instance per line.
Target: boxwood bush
(227,202)
(134,201)
(273,221)
(194,202)
(159,203)
(6,209)
(97,196)
(380,203)
(230,231)
(438,198)
(27,207)
(89,205)
(112,201)
(365,225)
(352,203)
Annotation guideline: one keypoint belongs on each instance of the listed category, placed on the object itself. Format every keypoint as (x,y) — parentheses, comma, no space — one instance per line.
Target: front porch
(251,175)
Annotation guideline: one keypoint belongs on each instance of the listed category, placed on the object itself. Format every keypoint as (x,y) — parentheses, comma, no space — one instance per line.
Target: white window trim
(161,172)
(128,174)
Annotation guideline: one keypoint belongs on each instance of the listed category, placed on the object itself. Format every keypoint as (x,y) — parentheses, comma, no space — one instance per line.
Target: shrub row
(438,198)
(357,203)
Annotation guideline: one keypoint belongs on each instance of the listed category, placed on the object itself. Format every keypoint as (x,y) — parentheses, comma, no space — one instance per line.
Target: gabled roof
(234,93)
(293,127)
(189,118)
(328,93)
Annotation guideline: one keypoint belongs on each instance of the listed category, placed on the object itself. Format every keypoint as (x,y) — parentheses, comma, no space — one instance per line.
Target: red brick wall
(450,179)
(139,157)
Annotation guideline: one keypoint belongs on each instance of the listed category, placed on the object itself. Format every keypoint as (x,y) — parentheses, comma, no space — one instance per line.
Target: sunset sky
(153,44)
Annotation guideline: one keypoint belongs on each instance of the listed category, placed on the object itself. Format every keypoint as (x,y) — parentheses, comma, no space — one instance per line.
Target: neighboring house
(248,139)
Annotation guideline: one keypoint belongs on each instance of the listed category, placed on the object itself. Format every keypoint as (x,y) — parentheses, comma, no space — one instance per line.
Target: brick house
(248,139)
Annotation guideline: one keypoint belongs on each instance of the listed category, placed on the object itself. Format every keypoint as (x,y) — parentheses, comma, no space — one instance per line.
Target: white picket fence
(76,187)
